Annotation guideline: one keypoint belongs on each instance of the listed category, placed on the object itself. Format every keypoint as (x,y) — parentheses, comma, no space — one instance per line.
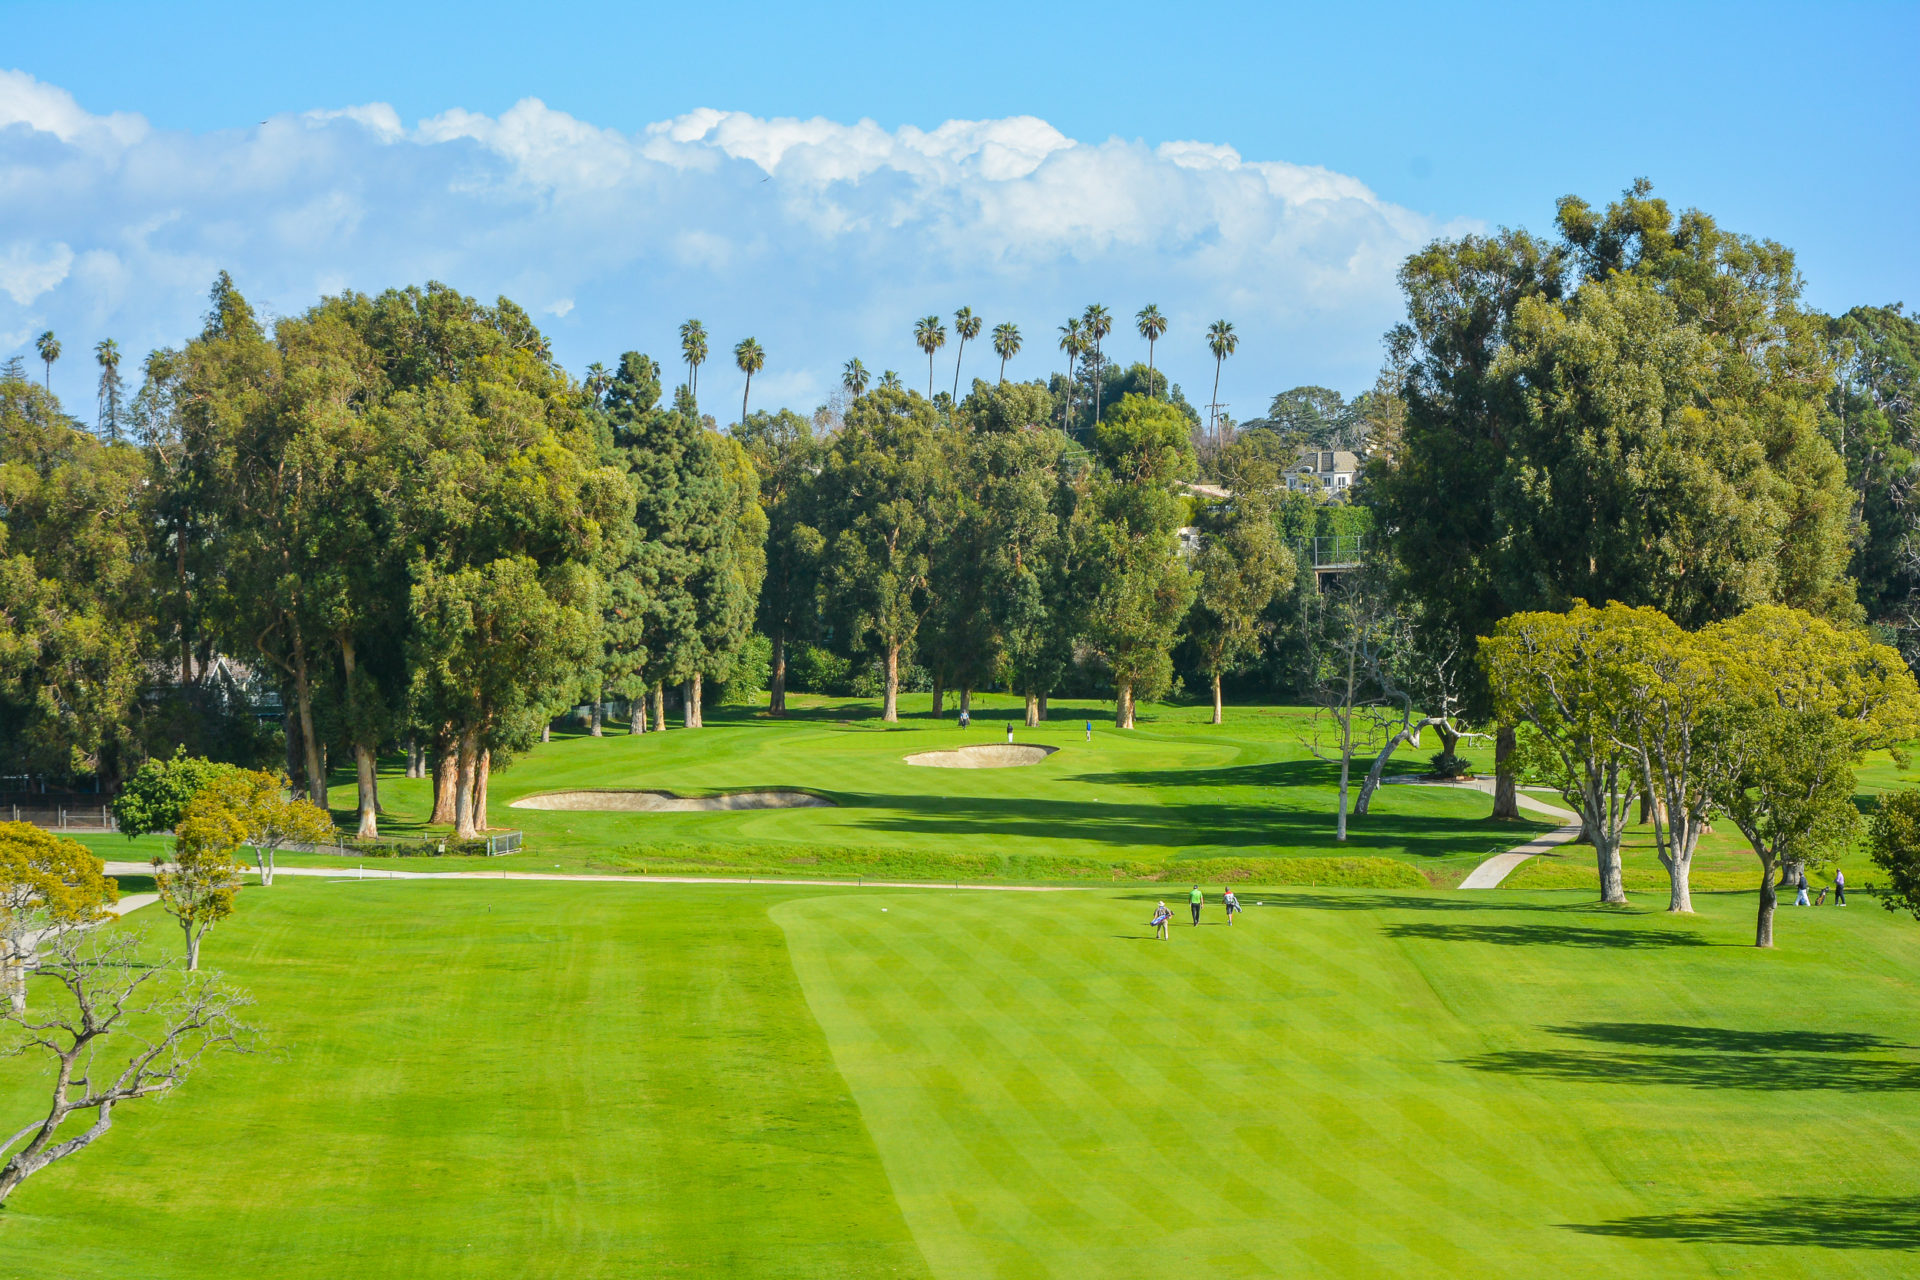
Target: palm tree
(693,347)
(1073,341)
(107,352)
(1221,340)
(597,381)
(854,377)
(1099,324)
(966,325)
(929,335)
(890,381)
(1152,324)
(49,348)
(1006,344)
(751,360)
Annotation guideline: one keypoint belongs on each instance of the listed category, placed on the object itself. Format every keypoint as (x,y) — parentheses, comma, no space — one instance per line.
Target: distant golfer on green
(1233,905)
(1194,900)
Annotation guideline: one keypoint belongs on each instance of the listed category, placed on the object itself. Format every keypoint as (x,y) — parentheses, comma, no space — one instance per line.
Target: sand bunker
(667,802)
(988,755)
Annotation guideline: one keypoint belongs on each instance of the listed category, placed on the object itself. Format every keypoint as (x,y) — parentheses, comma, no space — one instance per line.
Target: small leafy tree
(1241,567)
(46,883)
(98,994)
(160,790)
(262,811)
(198,887)
(1563,676)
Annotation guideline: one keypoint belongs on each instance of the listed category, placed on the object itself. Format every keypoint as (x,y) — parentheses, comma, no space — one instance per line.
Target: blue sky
(1266,163)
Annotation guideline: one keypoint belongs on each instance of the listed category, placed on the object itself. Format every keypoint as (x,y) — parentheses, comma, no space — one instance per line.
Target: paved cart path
(1490,873)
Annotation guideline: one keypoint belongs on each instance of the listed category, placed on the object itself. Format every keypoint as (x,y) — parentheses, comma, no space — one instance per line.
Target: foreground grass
(462,1081)
(1360,1084)
(516,1079)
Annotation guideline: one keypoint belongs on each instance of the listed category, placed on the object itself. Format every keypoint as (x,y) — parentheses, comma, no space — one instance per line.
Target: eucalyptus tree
(1222,342)
(854,378)
(112,388)
(786,457)
(49,348)
(1131,520)
(1098,324)
(883,491)
(1006,344)
(693,349)
(1152,326)
(1242,565)
(929,335)
(966,326)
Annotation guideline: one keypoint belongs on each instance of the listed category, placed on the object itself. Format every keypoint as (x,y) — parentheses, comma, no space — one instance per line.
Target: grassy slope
(1373,1084)
(466,1080)
(1175,788)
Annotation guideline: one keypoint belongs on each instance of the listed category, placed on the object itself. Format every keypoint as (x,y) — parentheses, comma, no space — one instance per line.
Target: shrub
(160,791)
(1445,764)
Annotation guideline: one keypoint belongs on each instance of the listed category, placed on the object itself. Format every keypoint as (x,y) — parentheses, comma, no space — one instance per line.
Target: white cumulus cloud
(821,238)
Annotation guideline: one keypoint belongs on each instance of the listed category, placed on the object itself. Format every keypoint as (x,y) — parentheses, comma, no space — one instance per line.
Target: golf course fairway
(478,1079)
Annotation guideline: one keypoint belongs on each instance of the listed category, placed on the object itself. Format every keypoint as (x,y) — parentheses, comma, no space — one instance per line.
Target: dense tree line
(398,514)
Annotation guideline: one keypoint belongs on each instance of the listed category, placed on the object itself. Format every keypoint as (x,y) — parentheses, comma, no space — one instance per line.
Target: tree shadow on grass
(1666,1035)
(1715,1058)
(1218,824)
(1826,1222)
(1547,935)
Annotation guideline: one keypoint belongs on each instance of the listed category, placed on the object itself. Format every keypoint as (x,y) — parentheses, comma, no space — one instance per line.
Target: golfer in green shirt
(1194,900)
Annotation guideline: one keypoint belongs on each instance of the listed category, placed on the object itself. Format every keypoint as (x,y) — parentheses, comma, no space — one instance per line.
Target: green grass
(475,1080)
(1174,789)
(480,1079)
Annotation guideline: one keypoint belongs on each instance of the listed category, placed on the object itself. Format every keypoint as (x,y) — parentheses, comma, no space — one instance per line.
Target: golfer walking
(1839,887)
(1233,905)
(1161,915)
(1194,900)
(1800,900)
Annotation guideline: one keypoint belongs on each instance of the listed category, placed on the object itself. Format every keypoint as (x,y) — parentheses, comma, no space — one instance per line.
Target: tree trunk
(1041,702)
(637,714)
(446,778)
(316,772)
(1680,892)
(596,715)
(193,945)
(939,692)
(1346,766)
(1607,862)
(966,700)
(1769,899)
(481,773)
(777,683)
(1218,717)
(696,703)
(363,765)
(290,728)
(1033,711)
(546,732)
(463,786)
(1506,803)
(1449,740)
(1123,706)
(659,707)
(890,708)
